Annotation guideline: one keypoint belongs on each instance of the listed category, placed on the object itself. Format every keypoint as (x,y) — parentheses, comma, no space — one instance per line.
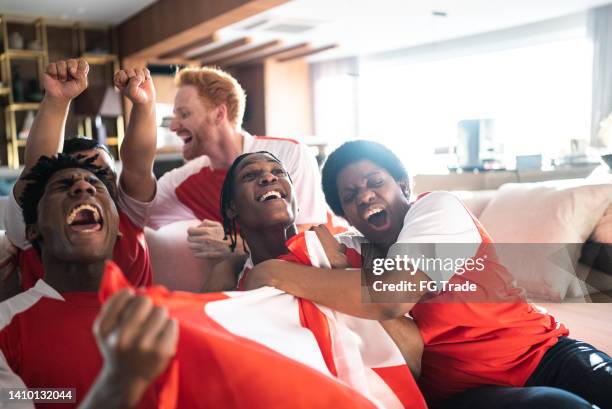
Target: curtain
(335,100)
(600,32)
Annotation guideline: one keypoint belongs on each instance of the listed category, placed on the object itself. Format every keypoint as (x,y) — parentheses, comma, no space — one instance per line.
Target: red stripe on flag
(400,380)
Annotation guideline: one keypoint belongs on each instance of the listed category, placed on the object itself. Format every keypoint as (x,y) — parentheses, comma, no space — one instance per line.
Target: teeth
(269,194)
(372,211)
(77,209)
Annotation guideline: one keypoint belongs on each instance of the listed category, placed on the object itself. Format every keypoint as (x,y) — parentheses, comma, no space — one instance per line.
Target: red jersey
(469,344)
(46,338)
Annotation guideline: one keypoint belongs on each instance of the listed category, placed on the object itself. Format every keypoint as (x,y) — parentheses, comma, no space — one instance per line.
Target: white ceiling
(91,11)
(359,26)
(369,26)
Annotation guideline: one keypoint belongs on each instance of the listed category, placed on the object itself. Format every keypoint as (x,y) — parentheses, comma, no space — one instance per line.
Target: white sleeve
(166,208)
(10,380)
(352,240)
(137,211)
(15,226)
(306,178)
(438,226)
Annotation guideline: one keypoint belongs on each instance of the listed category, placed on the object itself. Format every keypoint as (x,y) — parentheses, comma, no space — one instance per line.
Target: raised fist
(136,339)
(65,79)
(136,85)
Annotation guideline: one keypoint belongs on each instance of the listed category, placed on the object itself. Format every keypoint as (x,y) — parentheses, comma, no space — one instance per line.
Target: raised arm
(138,147)
(63,81)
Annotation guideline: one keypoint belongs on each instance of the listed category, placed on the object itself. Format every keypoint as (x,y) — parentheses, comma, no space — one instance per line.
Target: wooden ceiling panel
(180,52)
(306,53)
(279,53)
(248,54)
(209,55)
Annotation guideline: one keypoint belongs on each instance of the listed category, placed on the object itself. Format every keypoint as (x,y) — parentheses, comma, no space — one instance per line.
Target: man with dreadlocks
(259,199)
(64,81)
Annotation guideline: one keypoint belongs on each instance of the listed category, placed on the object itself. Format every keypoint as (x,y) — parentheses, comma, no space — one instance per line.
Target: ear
(221,114)
(403,184)
(32,233)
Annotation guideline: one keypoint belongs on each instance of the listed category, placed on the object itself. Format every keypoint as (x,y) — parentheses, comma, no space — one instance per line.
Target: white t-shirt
(431,226)
(193,190)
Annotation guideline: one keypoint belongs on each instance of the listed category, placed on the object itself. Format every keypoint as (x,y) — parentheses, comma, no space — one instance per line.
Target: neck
(66,276)
(268,244)
(229,148)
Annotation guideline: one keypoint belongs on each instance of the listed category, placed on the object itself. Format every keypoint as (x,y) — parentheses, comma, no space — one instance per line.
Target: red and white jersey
(10,380)
(130,252)
(361,346)
(193,191)
(236,350)
(468,344)
(47,340)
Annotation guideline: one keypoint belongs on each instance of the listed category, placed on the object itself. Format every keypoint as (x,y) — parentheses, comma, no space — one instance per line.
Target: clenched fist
(136,84)
(137,341)
(65,79)
(206,240)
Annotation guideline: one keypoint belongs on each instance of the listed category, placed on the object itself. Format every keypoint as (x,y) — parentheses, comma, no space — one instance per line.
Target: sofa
(565,219)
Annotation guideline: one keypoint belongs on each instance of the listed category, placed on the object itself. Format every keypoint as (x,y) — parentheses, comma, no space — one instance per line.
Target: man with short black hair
(64,81)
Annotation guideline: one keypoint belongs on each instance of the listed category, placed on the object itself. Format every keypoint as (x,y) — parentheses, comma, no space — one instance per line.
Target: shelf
(22,106)
(24,54)
(100,58)
(112,141)
(21,142)
(5,90)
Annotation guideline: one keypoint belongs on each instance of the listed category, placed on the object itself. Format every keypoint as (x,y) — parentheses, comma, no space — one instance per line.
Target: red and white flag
(265,348)
(242,350)
(388,377)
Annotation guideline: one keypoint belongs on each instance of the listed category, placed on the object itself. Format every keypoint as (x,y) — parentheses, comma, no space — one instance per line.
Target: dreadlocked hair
(43,170)
(230,227)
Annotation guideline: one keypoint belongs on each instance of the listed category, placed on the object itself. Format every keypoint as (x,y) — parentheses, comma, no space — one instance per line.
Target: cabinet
(24,55)
(27,47)
(100,107)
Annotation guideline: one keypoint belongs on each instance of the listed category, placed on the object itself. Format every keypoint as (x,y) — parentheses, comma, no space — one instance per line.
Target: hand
(65,79)
(335,251)
(264,274)
(206,240)
(137,341)
(136,85)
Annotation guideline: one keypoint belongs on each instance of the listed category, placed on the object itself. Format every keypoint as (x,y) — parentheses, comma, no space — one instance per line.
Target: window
(539,98)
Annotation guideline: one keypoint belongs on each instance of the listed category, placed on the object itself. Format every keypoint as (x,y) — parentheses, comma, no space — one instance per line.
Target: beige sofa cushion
(603,230)
(562,212)
(174,264)
(476,201)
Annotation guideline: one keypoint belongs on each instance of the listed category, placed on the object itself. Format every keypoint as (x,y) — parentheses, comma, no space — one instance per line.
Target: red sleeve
(10,345)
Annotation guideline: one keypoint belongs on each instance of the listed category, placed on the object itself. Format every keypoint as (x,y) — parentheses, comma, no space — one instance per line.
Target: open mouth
(271,195)
(185,136)
(85,218)
(377,217)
